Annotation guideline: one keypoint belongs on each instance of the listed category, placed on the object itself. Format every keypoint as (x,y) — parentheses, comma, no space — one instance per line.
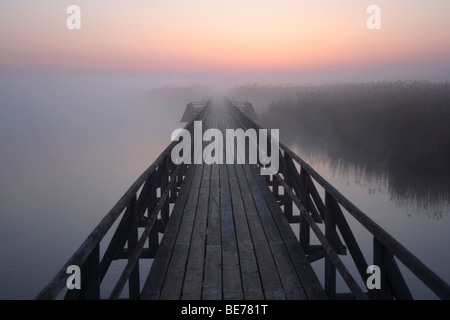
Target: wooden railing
(144,209)
(301,185)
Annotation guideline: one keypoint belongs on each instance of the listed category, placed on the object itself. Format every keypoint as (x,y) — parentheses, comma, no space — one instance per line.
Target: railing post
(287,201)
(379,259)
(164,177)
(174,189)
(330,230)
(90,279)
(275,186)
(133,281)
(304,226)
(153,238)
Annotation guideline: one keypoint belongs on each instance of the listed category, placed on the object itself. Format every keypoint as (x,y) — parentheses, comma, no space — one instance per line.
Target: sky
(287,39)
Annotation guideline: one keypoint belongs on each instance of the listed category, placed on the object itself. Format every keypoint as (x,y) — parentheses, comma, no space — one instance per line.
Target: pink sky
(220,37)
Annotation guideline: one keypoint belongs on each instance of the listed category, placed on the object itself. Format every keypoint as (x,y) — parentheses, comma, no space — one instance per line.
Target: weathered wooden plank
(274,263)
(213,231)
(330,252)
(192,286)
(292,286)
(177,266)
(232,283)
(135,253)
(212,282)
(155,280)
(270,278)
(308,278)
(247,259)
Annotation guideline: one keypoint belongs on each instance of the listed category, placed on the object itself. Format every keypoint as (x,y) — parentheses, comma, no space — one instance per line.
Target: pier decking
(224,231)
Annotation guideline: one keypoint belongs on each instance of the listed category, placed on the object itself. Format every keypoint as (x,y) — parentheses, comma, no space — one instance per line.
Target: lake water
(422,226)
(70,146)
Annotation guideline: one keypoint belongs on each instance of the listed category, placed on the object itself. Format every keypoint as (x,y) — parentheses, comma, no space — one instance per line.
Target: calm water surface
(70,146)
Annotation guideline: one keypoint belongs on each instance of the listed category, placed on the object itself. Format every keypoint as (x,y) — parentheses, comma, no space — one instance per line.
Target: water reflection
(70,146)
(405,185)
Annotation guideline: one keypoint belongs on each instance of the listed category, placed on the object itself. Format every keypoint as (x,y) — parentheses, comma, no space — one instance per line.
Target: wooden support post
(90,279)
(293,178)
(287,206)
(351,243)
(399,286)
(153,238)
(304,226)
(275,190)
(164,177)
(315,196)
(133,281)
(330,230)
(93,264)
(379,259)
(116,244)
(331,209)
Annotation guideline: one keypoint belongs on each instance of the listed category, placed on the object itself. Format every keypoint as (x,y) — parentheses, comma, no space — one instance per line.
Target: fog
(395,131)
(70,146)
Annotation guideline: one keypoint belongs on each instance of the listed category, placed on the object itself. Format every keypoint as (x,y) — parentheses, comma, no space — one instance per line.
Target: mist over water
(397,131)
(382,145)
(70,146)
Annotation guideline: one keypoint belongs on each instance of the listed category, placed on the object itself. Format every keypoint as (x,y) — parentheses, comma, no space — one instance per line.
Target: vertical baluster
(379,259)
(153,241)
(275,186)
(174,189)
(289,178)
(330,230)
(304,226)
(133,281)
(164,176)
(90,279)
(287,206)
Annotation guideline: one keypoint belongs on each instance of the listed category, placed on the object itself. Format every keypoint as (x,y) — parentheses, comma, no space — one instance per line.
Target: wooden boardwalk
(224,231)
(227,237)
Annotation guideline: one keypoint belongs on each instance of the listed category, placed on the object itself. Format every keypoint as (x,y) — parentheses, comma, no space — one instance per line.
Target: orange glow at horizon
(205,36)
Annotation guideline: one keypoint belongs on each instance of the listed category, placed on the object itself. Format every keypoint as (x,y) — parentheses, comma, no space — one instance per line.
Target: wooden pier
(224,231)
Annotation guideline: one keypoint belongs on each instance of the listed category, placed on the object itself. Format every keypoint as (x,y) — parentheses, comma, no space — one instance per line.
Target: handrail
(428,277)
(299,189)
(57,284)
(425,274)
